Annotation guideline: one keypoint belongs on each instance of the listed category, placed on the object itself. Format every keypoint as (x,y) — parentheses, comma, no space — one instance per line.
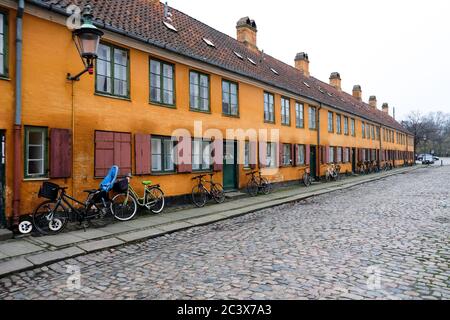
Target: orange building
(158,76)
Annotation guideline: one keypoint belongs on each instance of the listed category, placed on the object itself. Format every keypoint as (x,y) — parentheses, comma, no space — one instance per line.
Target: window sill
(159,174)
(300,127)
(105,95)
(286,125)
(200,111)
(5,78)
(269,122)
(156,104)
(230,116)
(202,171)
(35,179)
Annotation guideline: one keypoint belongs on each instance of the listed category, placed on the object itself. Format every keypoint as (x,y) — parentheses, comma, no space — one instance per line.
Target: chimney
(246,32)
(302,63)
(373,102)
(385,108)
(357,92)
(335,80)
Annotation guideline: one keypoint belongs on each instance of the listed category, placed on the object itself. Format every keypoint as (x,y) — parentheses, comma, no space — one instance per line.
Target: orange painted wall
(52,101)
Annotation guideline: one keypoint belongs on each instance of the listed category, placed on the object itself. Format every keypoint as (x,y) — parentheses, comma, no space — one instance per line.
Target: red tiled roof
(143,20)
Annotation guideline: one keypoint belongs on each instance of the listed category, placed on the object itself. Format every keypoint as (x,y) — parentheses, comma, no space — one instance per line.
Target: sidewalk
(28,252)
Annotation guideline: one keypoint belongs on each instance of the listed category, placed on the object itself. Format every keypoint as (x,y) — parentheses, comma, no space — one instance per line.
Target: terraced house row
(159,70)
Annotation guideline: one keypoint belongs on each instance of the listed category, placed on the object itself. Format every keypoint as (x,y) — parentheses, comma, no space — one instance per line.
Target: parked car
(427,159)
(435,158)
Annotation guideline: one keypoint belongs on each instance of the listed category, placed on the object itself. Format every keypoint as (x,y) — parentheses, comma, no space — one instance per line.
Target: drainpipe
(381,148)
(318,144)
(18,118)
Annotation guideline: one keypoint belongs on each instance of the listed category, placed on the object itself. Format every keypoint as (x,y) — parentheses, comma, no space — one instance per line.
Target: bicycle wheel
(155,200)
(266,186)
(123,207)
(252,188)
(306,180)
(50,218)
(218,193)
(100,216)
(199,196)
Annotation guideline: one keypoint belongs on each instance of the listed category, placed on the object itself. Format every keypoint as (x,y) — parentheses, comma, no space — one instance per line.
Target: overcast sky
(398,50)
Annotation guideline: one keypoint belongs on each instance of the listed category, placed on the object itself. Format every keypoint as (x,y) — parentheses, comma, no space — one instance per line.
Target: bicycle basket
(49,191)
(121,186)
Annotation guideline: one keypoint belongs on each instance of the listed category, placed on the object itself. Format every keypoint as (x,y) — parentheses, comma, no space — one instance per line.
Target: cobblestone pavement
(388,239)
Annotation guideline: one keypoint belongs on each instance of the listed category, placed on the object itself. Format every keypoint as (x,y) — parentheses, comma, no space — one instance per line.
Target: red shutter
(327,154)
(279,147)
(104,152)
(217,145)
(143,154)
(335,155)
(60,153)
(252,154)
(307,154)
(262,154)
(184,151)
(122,152)
(293,154)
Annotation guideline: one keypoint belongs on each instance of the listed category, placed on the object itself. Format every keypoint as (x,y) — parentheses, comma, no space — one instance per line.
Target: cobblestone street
(388,239)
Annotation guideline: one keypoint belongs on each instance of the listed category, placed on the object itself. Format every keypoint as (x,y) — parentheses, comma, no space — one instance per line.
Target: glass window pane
(103,84)
(35,138)
(155,67)
(104,52)
(36,152)
(168,71)
(168,97)
(120,57)
(36,167)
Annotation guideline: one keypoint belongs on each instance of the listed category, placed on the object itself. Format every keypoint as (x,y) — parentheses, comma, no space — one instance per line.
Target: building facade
(158,78)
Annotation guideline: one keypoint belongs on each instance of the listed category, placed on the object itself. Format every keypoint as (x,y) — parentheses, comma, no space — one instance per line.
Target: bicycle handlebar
(252,173)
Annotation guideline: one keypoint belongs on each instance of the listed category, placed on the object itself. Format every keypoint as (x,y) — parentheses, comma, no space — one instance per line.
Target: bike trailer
(108,183)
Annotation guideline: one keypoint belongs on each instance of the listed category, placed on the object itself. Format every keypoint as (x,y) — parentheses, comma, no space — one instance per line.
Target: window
(367,131)
(330,122)
(378,133)
(346,126)
(201,155)
(338,124)
(345,155)
(331,155)
(36,152)
(162,155)
(299,115)
(247,154)
(287,156)
(372,132)
(363,129)
(353,127)
(162,83)
(312,118)
(300,154)
(3,44)
(339,154)
(230,98)
(271,155)
(285,112)
(199,91)
(112,75)
(269,108)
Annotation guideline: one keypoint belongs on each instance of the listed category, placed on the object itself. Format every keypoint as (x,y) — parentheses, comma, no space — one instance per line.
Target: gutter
(102,25)
(18,115)
(318,142)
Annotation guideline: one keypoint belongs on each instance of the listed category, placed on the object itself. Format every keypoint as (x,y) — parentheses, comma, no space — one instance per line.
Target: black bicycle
(258,183)
(306,179)
(200,193)
(52,216)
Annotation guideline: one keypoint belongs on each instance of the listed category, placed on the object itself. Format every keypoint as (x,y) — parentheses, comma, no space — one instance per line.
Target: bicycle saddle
(146,183)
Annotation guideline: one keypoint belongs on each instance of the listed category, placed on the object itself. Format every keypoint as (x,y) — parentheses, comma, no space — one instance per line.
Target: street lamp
(87,39)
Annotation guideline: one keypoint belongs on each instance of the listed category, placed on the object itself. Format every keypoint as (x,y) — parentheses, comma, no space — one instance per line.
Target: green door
(312,161)
(2,178)
(230,165)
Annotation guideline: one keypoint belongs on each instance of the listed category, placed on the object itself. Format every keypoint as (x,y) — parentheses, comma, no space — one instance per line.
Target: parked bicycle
(333,172)
(306,178)
(257,184)
(200,193)
(125,203)
(52,216)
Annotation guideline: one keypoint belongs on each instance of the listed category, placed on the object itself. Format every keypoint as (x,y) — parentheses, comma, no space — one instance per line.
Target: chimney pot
(302,63)
(373,102)
(335,80)
(385,108)
(246,32)
(357,92)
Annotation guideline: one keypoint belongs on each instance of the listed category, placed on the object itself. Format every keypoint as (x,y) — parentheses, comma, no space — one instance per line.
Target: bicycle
(332,172)
(306,178)
(258,183)
(125,203)
(200,193)
(52,216)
